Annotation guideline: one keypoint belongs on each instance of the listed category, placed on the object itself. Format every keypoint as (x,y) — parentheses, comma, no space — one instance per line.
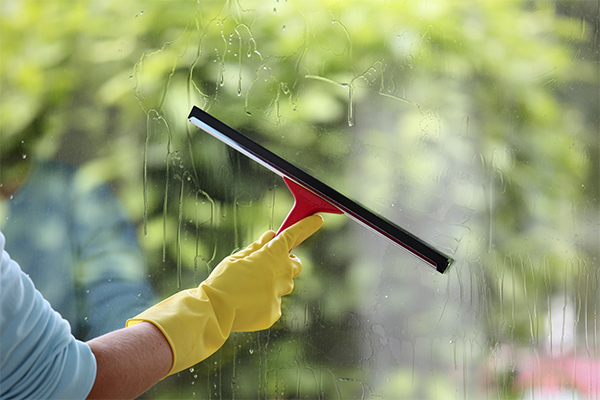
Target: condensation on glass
(473,125)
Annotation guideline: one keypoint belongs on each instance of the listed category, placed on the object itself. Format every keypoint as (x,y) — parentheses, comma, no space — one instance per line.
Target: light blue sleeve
(39,358)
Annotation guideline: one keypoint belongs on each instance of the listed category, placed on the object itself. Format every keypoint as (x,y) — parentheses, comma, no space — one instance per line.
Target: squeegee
(313,196)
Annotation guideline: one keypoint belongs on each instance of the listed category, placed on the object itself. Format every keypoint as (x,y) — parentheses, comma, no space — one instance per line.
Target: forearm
(129,361)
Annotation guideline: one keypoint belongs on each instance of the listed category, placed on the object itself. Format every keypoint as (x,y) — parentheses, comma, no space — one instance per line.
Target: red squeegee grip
(306,203)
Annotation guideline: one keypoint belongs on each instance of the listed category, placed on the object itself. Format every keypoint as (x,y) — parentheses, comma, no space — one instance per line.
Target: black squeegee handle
(289,171)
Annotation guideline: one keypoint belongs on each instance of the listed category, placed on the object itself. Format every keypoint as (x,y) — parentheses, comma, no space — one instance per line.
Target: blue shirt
(70,234)
(39,358)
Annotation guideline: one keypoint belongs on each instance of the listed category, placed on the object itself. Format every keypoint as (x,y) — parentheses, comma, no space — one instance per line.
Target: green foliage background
(479,119)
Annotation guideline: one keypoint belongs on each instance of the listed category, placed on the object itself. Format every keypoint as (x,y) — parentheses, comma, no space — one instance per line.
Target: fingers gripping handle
(306,203)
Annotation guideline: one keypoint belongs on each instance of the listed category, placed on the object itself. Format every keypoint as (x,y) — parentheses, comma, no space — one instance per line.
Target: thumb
(299,232)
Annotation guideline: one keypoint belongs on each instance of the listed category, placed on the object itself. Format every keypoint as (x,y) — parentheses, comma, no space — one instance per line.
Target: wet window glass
(472,125)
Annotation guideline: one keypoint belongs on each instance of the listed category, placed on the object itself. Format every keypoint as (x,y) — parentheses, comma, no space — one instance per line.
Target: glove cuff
(190,324)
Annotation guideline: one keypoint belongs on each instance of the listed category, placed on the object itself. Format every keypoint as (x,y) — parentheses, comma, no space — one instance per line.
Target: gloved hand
(243,293)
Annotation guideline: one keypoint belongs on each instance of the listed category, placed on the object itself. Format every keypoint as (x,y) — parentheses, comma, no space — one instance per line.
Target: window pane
(473,125)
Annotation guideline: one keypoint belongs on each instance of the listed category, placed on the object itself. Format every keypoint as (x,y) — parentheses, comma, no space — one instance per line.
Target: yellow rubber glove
(243,293)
